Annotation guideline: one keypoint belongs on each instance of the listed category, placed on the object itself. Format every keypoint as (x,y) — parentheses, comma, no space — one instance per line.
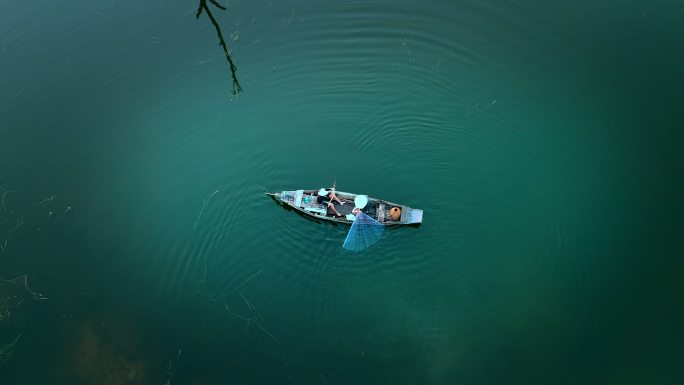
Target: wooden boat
(385,212)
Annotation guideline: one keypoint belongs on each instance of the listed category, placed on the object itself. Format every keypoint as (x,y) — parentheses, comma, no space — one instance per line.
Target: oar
(334,191)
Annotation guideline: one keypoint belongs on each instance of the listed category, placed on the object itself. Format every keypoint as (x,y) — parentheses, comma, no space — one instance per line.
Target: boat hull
(305,203)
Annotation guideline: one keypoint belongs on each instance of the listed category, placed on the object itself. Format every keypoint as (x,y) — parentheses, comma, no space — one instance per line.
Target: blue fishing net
(365,232)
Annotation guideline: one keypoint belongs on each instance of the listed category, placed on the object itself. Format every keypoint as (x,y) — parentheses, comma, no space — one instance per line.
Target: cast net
(365,232)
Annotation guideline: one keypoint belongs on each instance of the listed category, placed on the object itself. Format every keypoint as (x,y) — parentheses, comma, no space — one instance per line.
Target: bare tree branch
(203,7)
(218,5)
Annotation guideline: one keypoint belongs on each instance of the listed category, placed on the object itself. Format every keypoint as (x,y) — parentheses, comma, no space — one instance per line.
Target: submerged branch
(7,349)
(203,7)
(173,367)
(14,292)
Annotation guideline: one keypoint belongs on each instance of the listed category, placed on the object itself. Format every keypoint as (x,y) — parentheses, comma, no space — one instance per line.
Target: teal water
(542,140)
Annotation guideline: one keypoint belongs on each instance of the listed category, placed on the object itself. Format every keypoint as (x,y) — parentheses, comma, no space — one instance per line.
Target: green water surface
(542,139)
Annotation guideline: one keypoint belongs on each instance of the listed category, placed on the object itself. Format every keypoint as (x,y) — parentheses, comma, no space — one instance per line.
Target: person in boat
(326,197)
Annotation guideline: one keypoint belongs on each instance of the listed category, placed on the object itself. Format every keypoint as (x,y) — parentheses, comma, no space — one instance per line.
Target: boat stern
(415,217)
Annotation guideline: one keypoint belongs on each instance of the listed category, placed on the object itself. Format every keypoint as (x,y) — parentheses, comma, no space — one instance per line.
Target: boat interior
(385,212)
(310,203)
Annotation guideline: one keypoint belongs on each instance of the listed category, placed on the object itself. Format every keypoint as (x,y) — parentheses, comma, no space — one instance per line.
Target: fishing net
(365,232)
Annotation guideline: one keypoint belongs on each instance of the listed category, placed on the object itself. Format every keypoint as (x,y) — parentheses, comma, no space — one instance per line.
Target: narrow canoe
(305,202)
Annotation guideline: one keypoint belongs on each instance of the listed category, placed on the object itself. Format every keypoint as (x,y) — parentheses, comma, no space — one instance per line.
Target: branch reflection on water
(203,7)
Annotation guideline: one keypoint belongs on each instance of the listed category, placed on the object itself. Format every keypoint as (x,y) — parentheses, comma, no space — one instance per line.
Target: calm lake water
(542,139)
